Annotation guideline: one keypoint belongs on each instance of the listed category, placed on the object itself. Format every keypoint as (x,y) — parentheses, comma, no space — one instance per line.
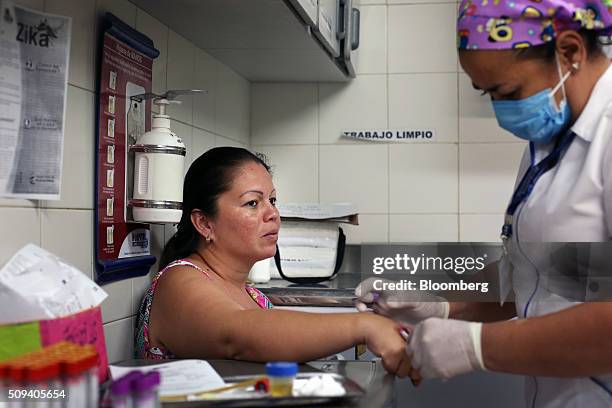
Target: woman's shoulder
(185,263)
(180,271)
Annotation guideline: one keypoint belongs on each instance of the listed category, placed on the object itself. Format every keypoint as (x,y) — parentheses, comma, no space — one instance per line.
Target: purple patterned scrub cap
(504,24)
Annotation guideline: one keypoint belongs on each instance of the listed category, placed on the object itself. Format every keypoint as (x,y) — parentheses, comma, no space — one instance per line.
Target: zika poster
(34,55)
(123,247)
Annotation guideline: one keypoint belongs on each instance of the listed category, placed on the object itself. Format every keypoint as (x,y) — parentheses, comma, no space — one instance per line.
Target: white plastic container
(158,172)
(260,272)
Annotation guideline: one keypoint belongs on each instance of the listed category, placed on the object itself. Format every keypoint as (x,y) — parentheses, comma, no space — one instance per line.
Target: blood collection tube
(145,390)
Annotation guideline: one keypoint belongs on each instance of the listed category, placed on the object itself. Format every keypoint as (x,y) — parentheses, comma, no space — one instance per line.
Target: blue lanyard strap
(531,177)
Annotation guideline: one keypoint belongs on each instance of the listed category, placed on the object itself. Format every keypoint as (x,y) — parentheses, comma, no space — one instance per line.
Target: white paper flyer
(34,55)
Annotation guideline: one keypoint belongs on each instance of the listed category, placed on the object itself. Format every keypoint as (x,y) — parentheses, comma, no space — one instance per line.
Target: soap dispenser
(159,167)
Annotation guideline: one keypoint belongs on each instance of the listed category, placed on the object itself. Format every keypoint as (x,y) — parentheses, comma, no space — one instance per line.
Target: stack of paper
(338,212)
(181,377)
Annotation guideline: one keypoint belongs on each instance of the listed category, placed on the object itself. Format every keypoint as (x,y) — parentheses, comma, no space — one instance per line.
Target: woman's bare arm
(193,317)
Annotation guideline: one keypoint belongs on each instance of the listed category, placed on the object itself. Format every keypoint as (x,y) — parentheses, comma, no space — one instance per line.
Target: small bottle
(121,390)
(90,365)
(281,375)
(75,383)
(120,393)
(145,390)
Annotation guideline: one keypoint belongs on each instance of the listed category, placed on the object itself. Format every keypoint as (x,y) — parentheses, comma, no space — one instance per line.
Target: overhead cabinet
(269,40)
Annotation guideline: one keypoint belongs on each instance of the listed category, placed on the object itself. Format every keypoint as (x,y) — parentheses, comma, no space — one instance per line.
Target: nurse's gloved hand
(444,348)
(404,306)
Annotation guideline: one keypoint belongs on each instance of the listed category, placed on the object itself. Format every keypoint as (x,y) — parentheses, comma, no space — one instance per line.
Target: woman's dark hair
(591,38)
(209,176)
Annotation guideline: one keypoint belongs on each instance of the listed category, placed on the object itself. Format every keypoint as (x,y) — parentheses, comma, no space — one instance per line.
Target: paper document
(35,285)
(34,52)
(180,377)
(341,212)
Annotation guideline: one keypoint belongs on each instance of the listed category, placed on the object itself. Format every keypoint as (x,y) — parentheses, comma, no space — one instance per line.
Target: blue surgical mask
(536,118)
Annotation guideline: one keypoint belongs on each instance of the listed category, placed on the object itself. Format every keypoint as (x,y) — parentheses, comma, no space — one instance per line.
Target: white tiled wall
(361,174)
(372,57)
(65,227)
(423,178)
(452,189)
(424,101)
(422,38)
(293,163)
(284,109)
(362,103)
(159,34)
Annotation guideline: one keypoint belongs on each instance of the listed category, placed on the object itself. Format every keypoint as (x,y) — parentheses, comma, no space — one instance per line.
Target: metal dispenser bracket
(156,166)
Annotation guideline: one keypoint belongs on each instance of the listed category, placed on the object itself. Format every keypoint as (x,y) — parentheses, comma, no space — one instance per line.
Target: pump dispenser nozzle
(159,166)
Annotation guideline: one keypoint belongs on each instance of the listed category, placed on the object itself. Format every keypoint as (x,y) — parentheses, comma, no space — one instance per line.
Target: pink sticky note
(80,328)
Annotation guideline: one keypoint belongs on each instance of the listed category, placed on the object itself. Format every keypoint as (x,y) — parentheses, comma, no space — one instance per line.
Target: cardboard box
(81,328)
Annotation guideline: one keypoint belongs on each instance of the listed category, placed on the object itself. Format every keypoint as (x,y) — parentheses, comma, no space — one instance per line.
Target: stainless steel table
(370,375)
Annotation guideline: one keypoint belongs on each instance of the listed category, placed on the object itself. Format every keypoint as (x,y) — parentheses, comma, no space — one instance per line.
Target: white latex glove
(404,306)
(441,348)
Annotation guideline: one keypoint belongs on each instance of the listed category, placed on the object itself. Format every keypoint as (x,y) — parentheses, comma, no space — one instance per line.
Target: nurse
(550,83)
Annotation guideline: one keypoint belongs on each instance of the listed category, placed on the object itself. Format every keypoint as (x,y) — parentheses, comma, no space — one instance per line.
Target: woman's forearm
(574,342)
(255,335)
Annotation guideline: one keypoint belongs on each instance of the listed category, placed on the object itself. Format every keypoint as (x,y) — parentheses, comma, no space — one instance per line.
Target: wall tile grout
(81,88)
(119,319)
(459,235)
(319,142)
(47,208)
(388,125)
(207,130)
(387,102)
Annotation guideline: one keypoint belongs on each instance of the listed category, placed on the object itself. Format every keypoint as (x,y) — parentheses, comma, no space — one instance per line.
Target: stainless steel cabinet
(327,28)
(308,10)
(266,40)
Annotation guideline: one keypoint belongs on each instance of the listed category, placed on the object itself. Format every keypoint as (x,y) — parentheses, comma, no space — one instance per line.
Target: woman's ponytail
(182,244)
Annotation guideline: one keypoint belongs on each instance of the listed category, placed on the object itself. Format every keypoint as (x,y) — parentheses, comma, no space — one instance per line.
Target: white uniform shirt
(572,202)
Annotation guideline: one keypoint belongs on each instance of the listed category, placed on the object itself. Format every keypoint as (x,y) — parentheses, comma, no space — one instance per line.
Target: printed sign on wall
(34,54)
(122,247)
(391,135)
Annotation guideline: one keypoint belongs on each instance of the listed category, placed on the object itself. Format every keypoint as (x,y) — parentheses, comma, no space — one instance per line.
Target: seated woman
(199,306)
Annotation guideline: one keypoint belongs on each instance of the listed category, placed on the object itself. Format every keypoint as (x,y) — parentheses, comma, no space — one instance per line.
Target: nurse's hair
(209,176)
(592,40)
